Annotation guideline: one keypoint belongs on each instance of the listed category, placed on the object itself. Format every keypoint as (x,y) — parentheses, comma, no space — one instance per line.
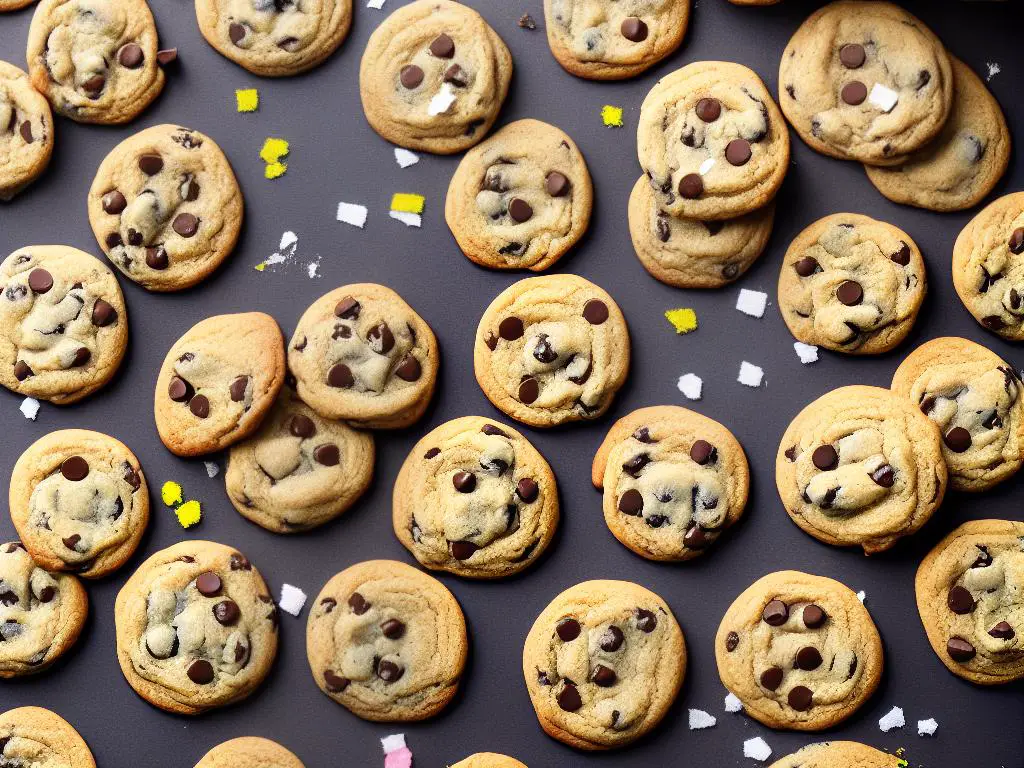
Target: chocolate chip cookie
(79,502)
(476,499)
(196,628)
(165,207)
(434,76)
(26,131)
(249,752)
(988,266)
(521,199)
(610,40)
(552,349)
(603,663)
(712,142)
(387,642)
(958,168)
(95,60)
(969,594)
(63,325)
(852,284)
(975,398)
(361,354)
(673,480)
(33,736)
(688,253)
(865,81)
(275,38)
(489,760)
(299,470)
(218,381)
(861,466)
(830,754)
(41,614)
(800,651)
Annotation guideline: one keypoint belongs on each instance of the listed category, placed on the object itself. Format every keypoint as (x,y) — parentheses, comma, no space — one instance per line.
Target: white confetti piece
(750,375)
(352,213)
(288,241)
(211,468)
(733,703)
(927,727)
(883,98)
(706,166)
(405,158)
(752,302)
(29,408)
(862,595)
(442,100)
(892,719)
(993,69)
(690,384)
(409,219)
(808,353)
(375,4)
(393,743)
(757,749)
(292,599)
(699,719)
(312,268)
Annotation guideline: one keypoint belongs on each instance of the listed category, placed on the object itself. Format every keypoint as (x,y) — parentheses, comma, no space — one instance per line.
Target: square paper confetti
(292,599)
(690,384)
(750,374)
(808,353)
(684,319)
(405,158)
(29,408)
(752,302)
(247,99)
(351,213)
(699,719)
(757,749)
(927,727)
(892,719)
(189,513)
(733,703)
(407,202)
(611,116)
(409,219)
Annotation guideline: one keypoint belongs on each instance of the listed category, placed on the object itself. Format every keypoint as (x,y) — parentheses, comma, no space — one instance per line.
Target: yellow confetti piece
(407,202)
(275,170)
(171,493)
(684,320)
(611,116)
(189,513)
(261,266)
(247,99)
(273,150)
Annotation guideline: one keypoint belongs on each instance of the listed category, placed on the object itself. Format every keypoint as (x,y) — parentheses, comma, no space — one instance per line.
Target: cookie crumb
(993,70)
(892,719)
(752,303)
(407,202)
(750,374)
(352,213)
(699,719)
(171,493)
(733,703)
(690,384)
(292,599)
(526,21)
(405,158)
(312,268)
(247,99)
(611,116)
(862,595)
(927,727)
(211,468)
(29,408)
(189,513)
(757,749)
(808,353)
(684,319)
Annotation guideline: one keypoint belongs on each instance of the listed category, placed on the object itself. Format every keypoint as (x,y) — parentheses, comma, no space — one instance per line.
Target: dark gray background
(335,156)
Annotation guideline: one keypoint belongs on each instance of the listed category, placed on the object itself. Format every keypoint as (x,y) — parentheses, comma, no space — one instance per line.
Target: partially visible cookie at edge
(830,754)
(41,737)
(489,760)
(249,752)
(26,131)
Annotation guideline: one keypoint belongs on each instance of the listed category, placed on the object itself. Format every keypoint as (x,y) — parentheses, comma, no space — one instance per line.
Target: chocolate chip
(464,482)
(852,55)
(800,698)
(237,388)
(854,93)
(527,490)
(612,639)
(287,43)
(567,630)
(71,541)
(771,678)
(227,612)
(1001,631)
(156,258)
(347,309)
(814,616)
(703,452)
(631,502)
(519,210)
(335,683)
(456,75)
(957,439)
(825,458)
(902,256)
(340,376)
(691,186)
(463,550)
(236,32)
(208,584)
(775,613)
(113,240)
(732,641)
(200,406)
(114,202)
(1016,242)
(327,454)
(646,621)
(695,538)
(358,604)
(959,649)
(431,453)
(569,698)
(993,322)
(808,658)
(179,390)
(633,29)
(411,76)
(737,152)
(189,190)
(636,464)
(94,85)
(392,629)
(185,224)
(40,281)
(151,165)
(301,426)
(557,184)
(46,594)
(103,313)
(74,468)
(166,56)
(240,562)
(595,311)
(443,46)
(22,370)
(131,56)
(511,328)
(983,560)
(603,676)
(708,109)
(200,672)
(26,131)
(529,390)
(884,476)
(960,601)
(850,293)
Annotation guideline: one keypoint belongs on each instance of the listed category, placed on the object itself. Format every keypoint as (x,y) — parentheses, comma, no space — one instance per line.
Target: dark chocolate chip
(335,683)
(392,629)
(527,490)
(443,46)
(732,641)
(227,612)
(850,293)
(185,224)
(633,29)
(529,390)
(852,55)
(347,309)
(884,476)
(510,329)
(464,482)
(1001,631)
(200,406)
(737,152)
(463,550)
(301,426)
(612,639)
(631,502)
(800,698)
(567,630)
(237,388)
(902,256)
(411,76)
(208,584)
(327,454)
(114,202)
(603,676)
(519,210)
(557,184)
(40,281)
(151,165)
(156,257)
(808,658)
(825,458)
(103,313)
(569,698)
(200,672)
(340,376)
(960,600)
(775,613)
(703,452)
(646,621)
(179,390)
(74,468)
(959,649)
(691,186)
(771,678)
(595,312)
(131,56)
(957,439)
(854,93)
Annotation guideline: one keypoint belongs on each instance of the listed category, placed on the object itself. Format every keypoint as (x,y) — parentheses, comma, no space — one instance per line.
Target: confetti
(189,513)
(171,493)
(706,166)
(750,374)
(271,153)
(699,719)
(405,158)
(690,384)
(442,100)
(275,170)
(993,69)
(375,4)
(883,98)
(312,268)
(611,116)
(892,719)
(409,219)
(733,703)
(292,599)
(211,468)
(286,249)
(808,353)
(757,749)
(352,213)
(396,753)
(927,727)
(29,408)
(407,202)
(393,743)
(247,99)
(862,595)
(684,319)
(752,302)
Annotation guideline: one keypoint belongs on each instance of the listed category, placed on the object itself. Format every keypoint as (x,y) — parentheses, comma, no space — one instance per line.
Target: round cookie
(275,38)
(38,737)
(552,349)
(712,142)
(361,354)
(26,131)
(165,207)
(434,76)
(95,60)
(852,284)
(79,502)
(489,760)
(975,398)
(299,470)
(988,266)
(830,754)
(475,498)
(603,663)
(217,382)
(963,163)
(800,651)
(687,253)
(249,752)
(387,642)
(969,594)
(861,466)
(63,324)
(520,199)
(673,480)
(613,40)
(196,628)
(865,81)
(41,613)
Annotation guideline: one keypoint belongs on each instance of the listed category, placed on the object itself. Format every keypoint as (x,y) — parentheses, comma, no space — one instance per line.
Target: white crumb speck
(733,703)
(352,213)
(927,727)
(750,375)
(699,719)
(883,98)
(288,240)
(409,219)
(395,741)
(312,268)
(752,302)
(993,69)
(892,719)
(29,408)
(442,100)
(211,468)
(405,158)
(690,384)
(862,595)
(808,353)
(757,749)
(292,599)
(706,166)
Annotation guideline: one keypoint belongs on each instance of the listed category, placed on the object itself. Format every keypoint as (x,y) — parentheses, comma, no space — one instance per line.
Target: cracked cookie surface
(961,165)
(299,470)
(687,253)
(974,396)
(865,81)
(969,595)
(712,142)
(852,284)
(361,354)
(63,324)
(489,760)
(800,651)
(26,131)
(552,349)
(433,77)
(33,736)
(520,199)
(613,40)
(41,613)
(988,266)
(387,642)
(830,754)
(218,381)
(196,628)
(95,60)
(603,663)
(249,752)
(275,38)
(861,466)
(475,498)
(165,207)
(79,502)
(673,481)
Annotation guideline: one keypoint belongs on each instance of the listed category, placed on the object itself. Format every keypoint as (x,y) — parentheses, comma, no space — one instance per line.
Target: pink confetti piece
(400,758)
